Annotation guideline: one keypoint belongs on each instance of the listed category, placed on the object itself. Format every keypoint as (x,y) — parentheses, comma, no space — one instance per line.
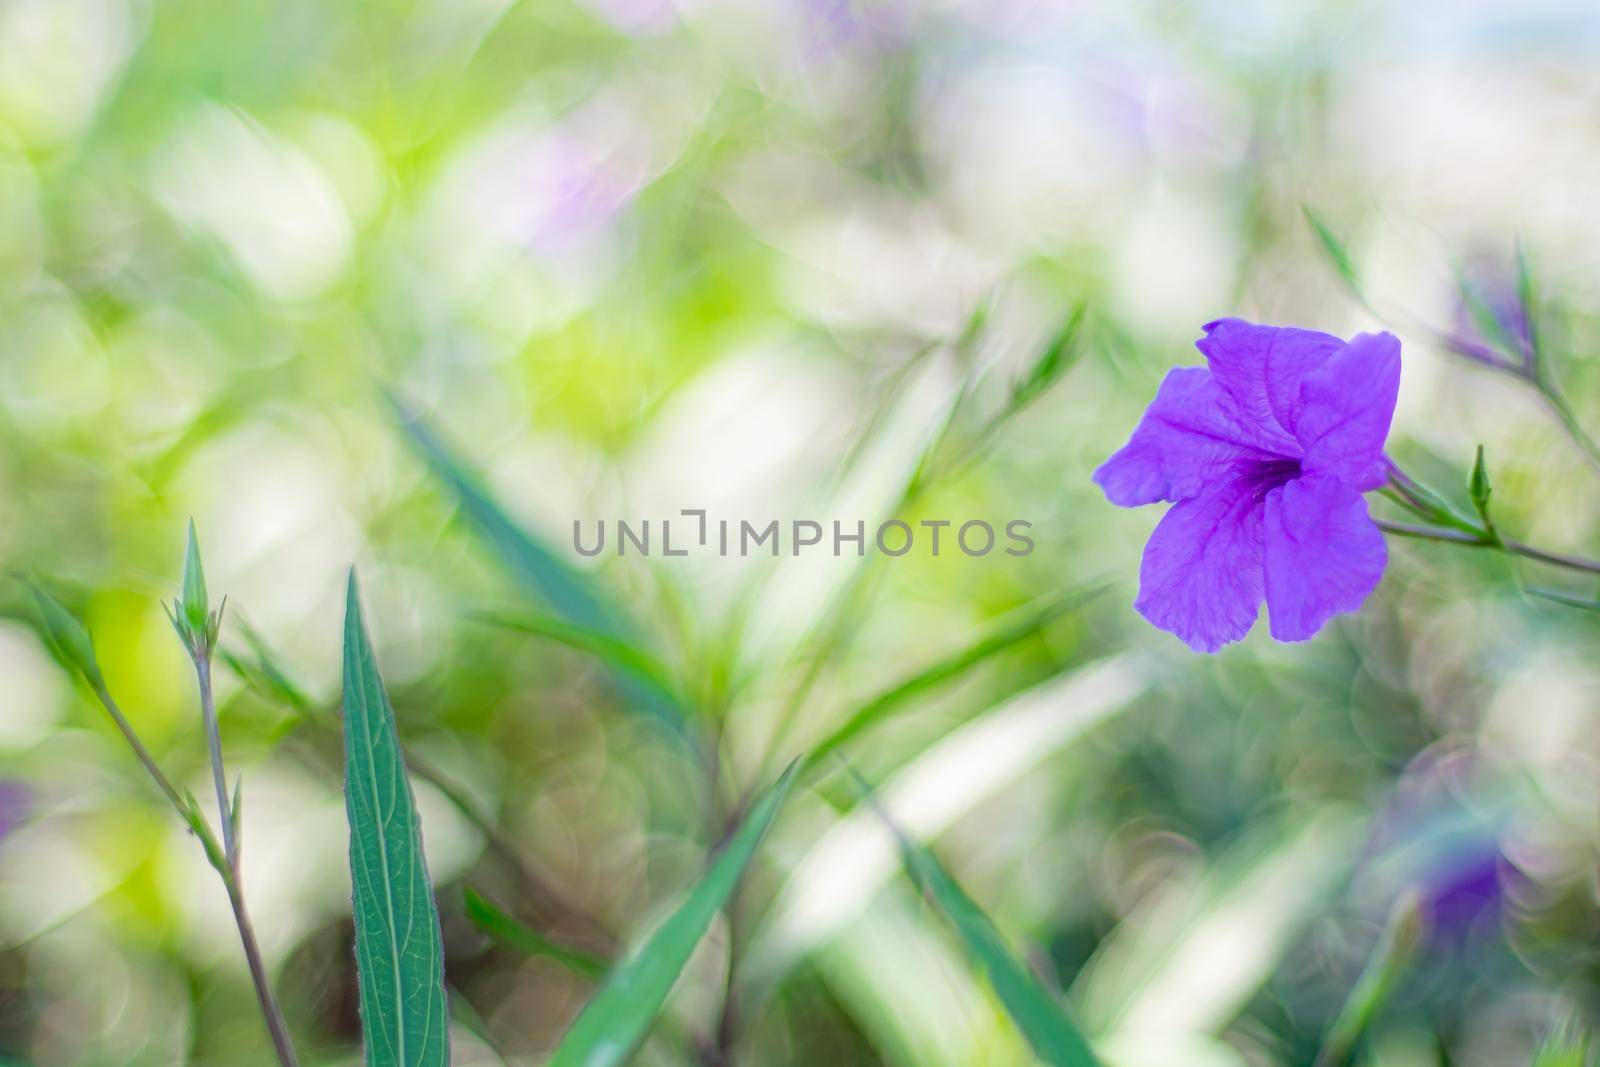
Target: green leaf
(511,932)
(1037,1011)
(1010,632)
(399,952)
(642,667)
(266,674)
(1568,1048)
(1335,250)
(613,1023)
(66,634)
(1527,298)
(1388,963)
(1056,359)
(536,567)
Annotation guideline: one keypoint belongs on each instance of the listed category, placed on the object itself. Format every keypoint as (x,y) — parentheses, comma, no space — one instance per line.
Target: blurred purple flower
(1435,839)
(1264,456)
(1493,324)
(15,804)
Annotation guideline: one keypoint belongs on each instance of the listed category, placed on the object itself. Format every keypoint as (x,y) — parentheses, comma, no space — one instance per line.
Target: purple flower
(1493,323)
(1264,457)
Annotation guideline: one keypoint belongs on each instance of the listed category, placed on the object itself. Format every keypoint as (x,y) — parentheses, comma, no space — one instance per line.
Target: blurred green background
(632,256)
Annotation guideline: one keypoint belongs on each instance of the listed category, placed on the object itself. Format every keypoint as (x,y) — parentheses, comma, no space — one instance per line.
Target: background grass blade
(399,951)
(1037,1011)
(628,659)
(516,935)
(1377,982)
(1011,631)
(539,570)
(619,1016)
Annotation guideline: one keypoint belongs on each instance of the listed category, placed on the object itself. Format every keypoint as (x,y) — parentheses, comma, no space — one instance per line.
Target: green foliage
(540,571)
(649,673)
(1388,964)
(1334,248)
(1010,632)
(66,635)
(617,1019)
(508,930)
(195,607)
(1036,1010)
(399,952)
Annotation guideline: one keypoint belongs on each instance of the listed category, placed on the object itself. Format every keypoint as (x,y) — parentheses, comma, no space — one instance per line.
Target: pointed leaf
(1037,1011)
(1335,250)
(399,951)
(1388,963)
(535,565)
(511,932)
(649,672)
(617,1019)
(1007,634)
(67,635)
(1056,359)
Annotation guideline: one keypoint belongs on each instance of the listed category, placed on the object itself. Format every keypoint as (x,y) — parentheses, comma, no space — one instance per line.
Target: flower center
(1270,474)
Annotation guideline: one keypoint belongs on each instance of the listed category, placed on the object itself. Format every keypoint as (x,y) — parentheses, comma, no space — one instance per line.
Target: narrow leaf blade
(536,567)
(399,950)
(511,932)
(611,1026)
(1338,255)
(1007,634)
(1037,1011)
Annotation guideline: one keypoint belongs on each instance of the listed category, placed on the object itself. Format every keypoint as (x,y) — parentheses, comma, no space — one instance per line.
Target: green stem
(225,867)
(276,1026)
(208,715)
(1384,969)
(1482,540)
(1557,403)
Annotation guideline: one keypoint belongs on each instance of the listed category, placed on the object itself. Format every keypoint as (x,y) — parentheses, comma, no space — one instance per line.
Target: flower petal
(1324,554)
(1262,368)
(1191,434)
(1348,404)
(1202,572)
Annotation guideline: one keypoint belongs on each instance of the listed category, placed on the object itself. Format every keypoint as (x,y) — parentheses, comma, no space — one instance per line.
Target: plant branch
(1557,403)
(221,863)
(1516,548)
(208,715)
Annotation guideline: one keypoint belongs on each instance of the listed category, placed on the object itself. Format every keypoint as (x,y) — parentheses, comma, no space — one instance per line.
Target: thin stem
(149,762)
(276,1027)
(1517,548)
(1557,403)
(221,863)
(232,877)
(208,714)
(550,900)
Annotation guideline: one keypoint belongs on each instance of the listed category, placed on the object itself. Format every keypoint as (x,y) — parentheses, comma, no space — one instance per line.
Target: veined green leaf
(399,951)
(1037,1011)
(537,567)
(617,1019)
(516,935)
